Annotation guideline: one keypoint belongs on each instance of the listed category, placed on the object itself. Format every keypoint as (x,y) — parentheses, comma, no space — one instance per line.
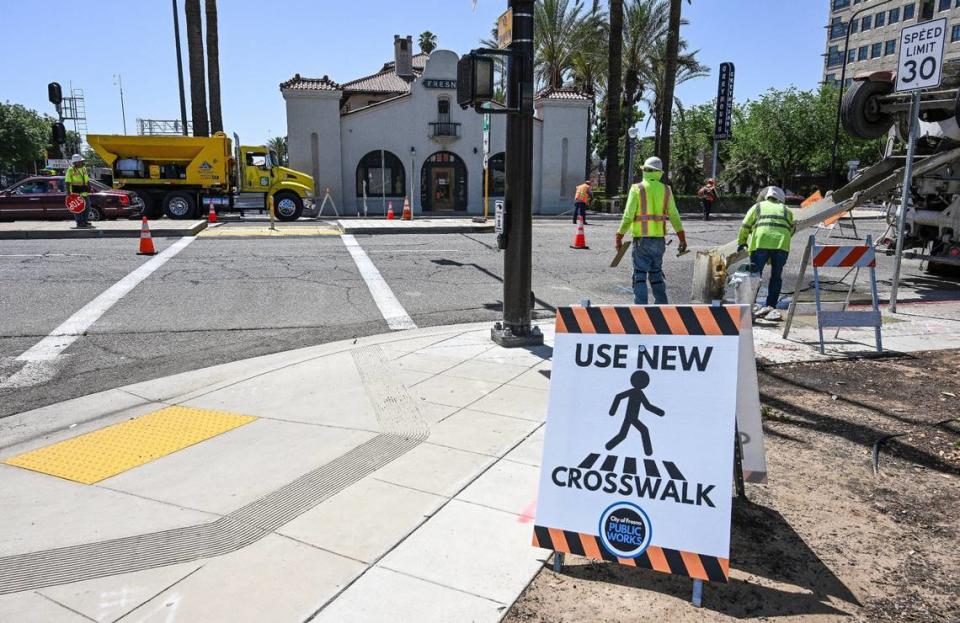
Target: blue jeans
(778,259)
(648,264)
(579,209)
(83,217)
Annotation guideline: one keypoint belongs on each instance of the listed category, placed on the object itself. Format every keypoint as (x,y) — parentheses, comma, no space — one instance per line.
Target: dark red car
(39,198)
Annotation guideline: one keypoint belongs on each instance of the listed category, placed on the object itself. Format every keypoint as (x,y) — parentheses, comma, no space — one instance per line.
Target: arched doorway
(443,183)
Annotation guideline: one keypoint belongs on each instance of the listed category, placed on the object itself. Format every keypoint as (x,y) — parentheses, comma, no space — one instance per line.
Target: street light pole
(631,147)
(118,80)
(516,328)
(843,79)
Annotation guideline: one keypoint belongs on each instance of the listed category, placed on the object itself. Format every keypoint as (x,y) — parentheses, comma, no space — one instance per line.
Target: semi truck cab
(260,176)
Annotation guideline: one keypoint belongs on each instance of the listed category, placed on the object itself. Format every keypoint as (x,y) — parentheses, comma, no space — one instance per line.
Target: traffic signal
(474,80)
(59,134)
(55,93)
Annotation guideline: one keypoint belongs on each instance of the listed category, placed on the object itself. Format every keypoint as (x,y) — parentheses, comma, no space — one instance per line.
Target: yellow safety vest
(769,225)
(650,205)
(77,180)
(582,194)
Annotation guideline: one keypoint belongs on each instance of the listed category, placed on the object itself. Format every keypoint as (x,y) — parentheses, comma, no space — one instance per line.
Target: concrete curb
(412,228)
(161,231)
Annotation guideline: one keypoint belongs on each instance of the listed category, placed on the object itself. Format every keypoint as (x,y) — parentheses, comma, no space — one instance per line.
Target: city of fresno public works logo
(625,530)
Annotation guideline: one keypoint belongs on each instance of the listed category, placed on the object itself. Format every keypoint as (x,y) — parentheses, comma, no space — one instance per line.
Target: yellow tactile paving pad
(112,450)
(265,231)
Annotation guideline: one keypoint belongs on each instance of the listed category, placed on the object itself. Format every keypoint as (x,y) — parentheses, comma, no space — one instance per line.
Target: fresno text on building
(398,133)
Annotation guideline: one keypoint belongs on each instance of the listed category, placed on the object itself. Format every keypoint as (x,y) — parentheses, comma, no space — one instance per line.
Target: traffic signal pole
(515,329)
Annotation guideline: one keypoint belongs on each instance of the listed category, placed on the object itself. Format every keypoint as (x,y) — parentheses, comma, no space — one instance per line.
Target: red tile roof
(300,83)
(563,93)
(384,81)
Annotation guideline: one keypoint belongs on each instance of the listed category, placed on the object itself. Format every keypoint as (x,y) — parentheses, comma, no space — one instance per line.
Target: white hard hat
(776,193)
(653,164)
(75,158)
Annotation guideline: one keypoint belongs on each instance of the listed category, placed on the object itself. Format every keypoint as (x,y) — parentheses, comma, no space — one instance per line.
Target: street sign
(75,203)
(638,454)
(723,119)
(920,64)
(486,137)
(505,29)
(58,163)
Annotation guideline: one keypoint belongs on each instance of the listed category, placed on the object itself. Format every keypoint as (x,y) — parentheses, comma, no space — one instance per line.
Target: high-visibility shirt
(769,225)
(583,193)
(78,182)
(650,205)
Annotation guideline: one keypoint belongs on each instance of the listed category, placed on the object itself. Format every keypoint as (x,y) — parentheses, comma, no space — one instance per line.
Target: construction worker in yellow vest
(769,226)
(78,183)
(650,205)
(581,199)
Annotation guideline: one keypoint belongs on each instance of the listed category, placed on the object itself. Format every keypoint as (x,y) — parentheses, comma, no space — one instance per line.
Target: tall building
(875,26)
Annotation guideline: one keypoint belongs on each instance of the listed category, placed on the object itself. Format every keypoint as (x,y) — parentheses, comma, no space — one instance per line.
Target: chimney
(403,56)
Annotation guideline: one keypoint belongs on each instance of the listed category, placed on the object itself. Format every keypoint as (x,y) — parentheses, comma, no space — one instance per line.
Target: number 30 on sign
(921,55)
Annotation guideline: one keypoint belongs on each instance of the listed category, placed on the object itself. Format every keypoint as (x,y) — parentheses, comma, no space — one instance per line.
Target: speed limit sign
(921,55)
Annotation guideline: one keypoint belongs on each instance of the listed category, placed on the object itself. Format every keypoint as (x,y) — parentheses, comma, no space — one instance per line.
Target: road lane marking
(390,308)
(40,357)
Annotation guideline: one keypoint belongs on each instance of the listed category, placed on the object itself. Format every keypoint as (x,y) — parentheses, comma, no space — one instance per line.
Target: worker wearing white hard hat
(650,205)
(769,227)
(78,183)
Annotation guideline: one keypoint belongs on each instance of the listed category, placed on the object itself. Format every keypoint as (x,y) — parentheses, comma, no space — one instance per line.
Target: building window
(879,20)
(498,174)
(854,26)
(945,5)
(383,173)
(894,16)
(851,56)
(862,53)
(890,47)
(830,79)
(908,12)
(955,33)
(866,23)
(834,57)
(443,110)
(837,28)
(876,50)
(927,9)
(840,4)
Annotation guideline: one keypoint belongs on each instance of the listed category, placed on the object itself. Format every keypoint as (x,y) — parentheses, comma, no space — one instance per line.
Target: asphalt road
(223,299)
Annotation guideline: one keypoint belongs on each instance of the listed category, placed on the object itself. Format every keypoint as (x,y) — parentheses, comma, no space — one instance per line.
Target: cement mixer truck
(871,109)
(181,175)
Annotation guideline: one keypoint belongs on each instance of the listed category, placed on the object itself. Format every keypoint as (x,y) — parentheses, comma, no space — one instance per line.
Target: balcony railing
(444,129)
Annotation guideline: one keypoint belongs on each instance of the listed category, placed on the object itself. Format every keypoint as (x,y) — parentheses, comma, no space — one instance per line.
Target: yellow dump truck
(181,175)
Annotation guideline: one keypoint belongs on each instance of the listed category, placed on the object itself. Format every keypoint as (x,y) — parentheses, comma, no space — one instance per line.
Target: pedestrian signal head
(639,379)
(775,193)
(653,164)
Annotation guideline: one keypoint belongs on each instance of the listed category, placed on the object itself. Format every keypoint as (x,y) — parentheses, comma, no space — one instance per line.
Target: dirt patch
(827,539)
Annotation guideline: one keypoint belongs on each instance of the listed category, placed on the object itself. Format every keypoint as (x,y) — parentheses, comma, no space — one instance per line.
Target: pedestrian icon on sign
(635,400)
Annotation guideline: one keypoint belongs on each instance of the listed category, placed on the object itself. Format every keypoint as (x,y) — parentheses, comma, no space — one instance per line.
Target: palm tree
(428,42)
(213,66)
(654,75)
(645,26)
(614,86)
(588,67)
(669,82)
(278,145)
(559,30)
(198,88)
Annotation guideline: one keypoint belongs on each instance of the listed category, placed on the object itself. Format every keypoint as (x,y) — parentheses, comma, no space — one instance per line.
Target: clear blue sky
(772,42)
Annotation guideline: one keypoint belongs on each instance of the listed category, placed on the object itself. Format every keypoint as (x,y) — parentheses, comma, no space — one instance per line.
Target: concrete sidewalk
(390,478)
(159,228)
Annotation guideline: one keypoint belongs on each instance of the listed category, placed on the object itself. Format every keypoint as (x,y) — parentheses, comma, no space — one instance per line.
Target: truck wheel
(287,206)
(179,205)
(144,205)
(860,112)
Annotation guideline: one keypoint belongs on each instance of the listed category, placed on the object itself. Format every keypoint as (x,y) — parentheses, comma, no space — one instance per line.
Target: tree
(654,77)
(559,30)
(691,146)
(92,159)
(669,82)
(428,42)
(198,89)
(278,144)
(24,133)
(645,25)
(213,66)
(614,86)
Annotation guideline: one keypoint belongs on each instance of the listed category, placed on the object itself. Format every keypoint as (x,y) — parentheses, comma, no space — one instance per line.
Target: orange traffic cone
(212,214)
(146,241)
(389,210)
(580,239)
(407,212)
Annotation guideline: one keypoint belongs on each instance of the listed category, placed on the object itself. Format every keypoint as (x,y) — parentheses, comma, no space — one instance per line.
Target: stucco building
(399,132)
